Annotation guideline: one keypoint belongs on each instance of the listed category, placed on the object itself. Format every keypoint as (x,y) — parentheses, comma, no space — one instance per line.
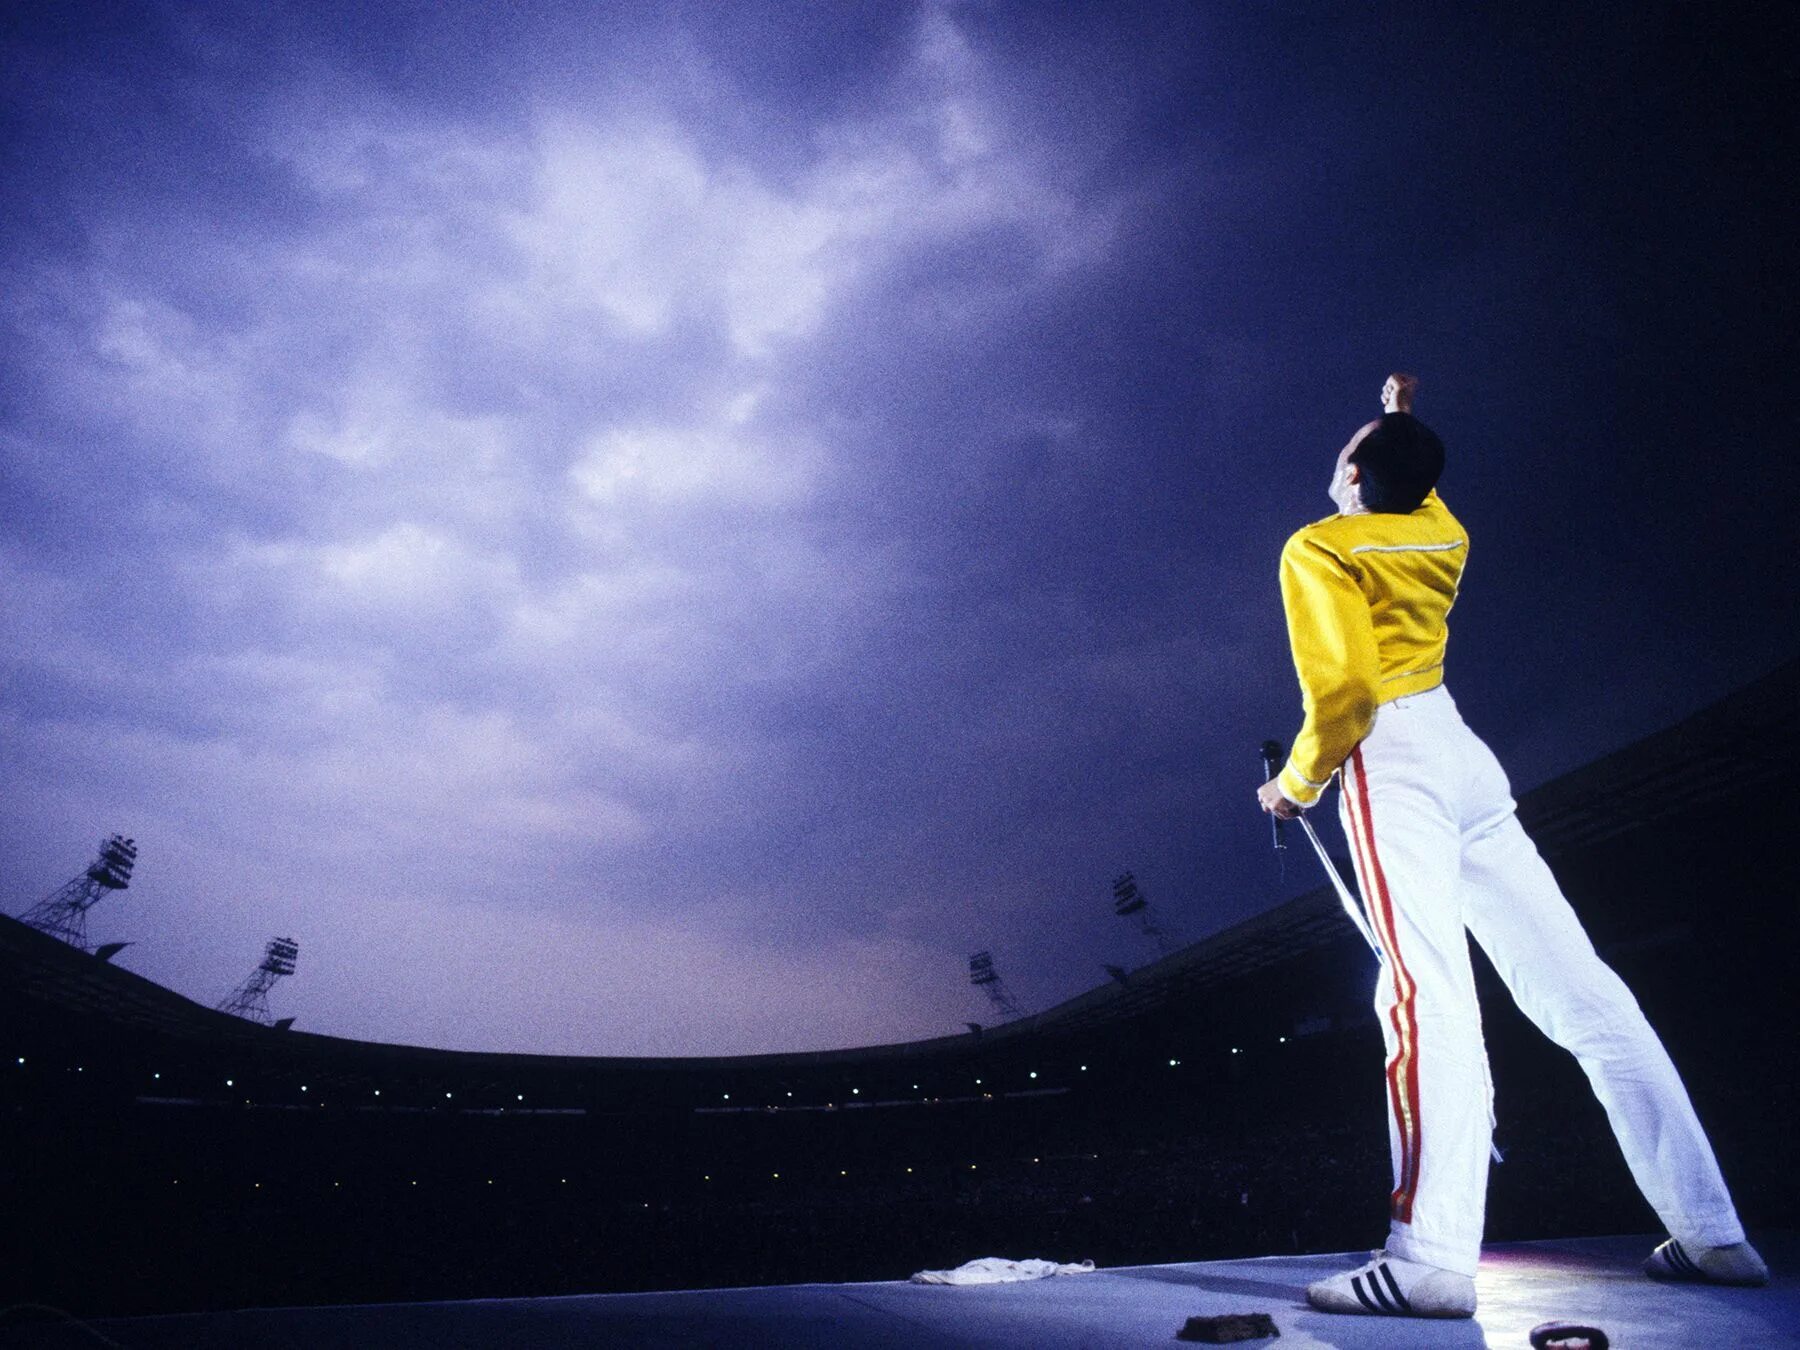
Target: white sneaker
(1736,1264)
(1390,1287)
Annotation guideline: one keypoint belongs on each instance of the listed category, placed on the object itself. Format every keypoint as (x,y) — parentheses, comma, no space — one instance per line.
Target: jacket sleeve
(1333,637)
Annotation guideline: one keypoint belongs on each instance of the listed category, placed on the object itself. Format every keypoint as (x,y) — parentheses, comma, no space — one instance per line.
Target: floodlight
(250,1000)
(1130,902)
(984,977)
(63,913)
(1127,898)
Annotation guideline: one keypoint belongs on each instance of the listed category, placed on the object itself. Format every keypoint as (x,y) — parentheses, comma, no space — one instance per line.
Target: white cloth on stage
(998,1270)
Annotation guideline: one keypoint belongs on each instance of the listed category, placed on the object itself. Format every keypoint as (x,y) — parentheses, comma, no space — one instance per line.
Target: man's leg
(1517,912)
(1405,843)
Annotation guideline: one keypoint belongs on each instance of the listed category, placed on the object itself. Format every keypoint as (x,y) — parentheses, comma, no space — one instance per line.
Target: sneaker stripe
(1387,1273)
(1356,1283)
(1682,1261)
(1403,1068)
(1379,1294)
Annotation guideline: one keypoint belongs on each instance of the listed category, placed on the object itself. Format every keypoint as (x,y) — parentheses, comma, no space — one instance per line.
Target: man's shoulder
(1434,505)
(1332,534)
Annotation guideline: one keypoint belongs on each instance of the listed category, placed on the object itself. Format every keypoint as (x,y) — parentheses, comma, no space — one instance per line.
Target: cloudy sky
(662,528)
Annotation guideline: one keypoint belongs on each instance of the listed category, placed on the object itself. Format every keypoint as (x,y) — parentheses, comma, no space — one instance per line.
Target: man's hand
(1270,798)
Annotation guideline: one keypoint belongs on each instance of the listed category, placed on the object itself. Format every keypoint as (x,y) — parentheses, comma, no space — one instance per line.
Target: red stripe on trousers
(1403,1081)
(1365,880)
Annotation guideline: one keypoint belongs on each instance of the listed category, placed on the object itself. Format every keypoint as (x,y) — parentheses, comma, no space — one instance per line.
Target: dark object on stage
(1232,1327)
(1568,1336)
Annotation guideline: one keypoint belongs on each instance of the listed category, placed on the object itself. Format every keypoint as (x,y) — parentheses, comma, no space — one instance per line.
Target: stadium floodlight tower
(985,978)
(63,913)
(250,999)
(1130,902)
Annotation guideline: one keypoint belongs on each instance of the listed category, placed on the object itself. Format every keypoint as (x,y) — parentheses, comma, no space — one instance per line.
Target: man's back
(1367,597)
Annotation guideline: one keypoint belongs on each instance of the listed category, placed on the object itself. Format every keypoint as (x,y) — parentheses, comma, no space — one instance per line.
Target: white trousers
(1438,850)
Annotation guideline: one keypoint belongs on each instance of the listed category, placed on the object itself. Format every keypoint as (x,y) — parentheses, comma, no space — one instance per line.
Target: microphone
(1272,756)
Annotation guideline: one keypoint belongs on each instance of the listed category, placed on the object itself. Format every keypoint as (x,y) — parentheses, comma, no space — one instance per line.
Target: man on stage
(1439,854)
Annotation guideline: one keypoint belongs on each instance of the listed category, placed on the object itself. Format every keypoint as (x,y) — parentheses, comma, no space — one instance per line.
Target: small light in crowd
(446,1096)
(303,1087)
(1234,1049)
(154,1075)
(727,1096)
(227,1082)
(776,1175)
(1172,1064)
(1084,1068)
(1282,1039)
(521,1096)
(856,1092)
(977,1082)
(1032,1074)
(377,1092)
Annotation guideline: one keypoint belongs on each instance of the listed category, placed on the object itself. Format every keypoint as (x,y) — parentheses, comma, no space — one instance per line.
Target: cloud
(636,225)
(513,522)
(669,466)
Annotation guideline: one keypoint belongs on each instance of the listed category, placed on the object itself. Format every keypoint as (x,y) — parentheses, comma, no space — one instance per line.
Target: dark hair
(1401,460)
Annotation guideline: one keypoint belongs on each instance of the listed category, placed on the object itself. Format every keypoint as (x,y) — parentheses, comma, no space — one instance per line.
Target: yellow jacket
(1366,598)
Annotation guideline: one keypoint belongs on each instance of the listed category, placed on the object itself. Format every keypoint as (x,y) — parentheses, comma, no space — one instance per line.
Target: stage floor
(1592,1280)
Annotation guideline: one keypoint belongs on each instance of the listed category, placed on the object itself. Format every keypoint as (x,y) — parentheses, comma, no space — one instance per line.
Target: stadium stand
(160,1156)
